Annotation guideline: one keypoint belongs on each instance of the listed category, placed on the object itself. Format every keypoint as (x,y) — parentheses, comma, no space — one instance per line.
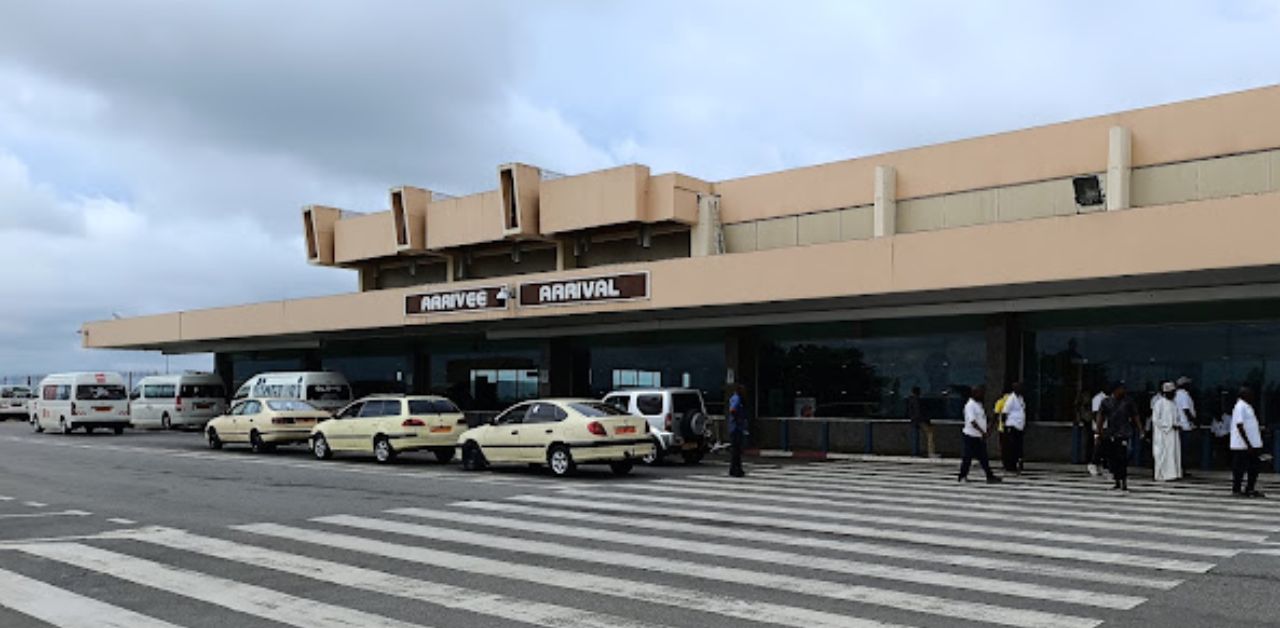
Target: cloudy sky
(154,154)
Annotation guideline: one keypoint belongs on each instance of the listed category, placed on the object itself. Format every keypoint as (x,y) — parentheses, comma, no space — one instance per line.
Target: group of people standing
(1115,423)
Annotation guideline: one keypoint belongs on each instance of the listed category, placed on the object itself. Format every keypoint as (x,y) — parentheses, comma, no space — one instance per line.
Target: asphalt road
(152,529)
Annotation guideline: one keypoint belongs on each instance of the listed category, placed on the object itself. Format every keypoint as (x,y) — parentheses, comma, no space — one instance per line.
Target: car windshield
(206,391)
(15,393)
(594,409)
(290,405)
(101,392)
(432,406)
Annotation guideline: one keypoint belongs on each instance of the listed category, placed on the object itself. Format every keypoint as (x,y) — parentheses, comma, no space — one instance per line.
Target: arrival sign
(579,290)
(450,301)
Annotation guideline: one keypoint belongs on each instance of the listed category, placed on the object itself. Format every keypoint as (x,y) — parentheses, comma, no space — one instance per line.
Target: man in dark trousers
(1246,445)
(975,436)
(1120,416)
(737,430)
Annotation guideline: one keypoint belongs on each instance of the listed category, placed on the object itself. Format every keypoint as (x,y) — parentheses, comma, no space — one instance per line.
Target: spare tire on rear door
(693,424)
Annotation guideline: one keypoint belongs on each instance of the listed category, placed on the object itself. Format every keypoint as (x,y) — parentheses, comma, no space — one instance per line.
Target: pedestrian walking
(1015,427)
(1121,423)
(975,436)
(737,431)
(1097,448)
(1246,446)
(921,423)
(1166,441)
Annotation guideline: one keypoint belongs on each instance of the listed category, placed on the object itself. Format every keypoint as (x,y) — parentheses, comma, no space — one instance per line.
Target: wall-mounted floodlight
(1088,190)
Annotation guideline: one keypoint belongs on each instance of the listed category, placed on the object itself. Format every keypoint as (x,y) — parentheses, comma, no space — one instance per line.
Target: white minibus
(170,401)
(322,389)
(67,401)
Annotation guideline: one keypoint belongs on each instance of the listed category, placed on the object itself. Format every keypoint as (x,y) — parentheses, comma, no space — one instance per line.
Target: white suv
(677,420)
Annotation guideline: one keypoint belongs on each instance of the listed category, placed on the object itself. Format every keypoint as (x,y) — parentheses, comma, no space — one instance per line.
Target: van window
(243,391)
(328,392)
(432,406)
(683,402)
(621,402)
(649,405)
(101,392)
(203,391)
(290,405)
(158,391)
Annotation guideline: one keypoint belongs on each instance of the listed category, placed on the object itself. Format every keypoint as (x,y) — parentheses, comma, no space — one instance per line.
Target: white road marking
(5,498)
(237,596)
(792,493)
(438,593)
(692,508)
(122,521)
(975,611)
(65,609)
(35,504)
(818,542)
(1129,511)
(38,515)
(772,557)
(646,592)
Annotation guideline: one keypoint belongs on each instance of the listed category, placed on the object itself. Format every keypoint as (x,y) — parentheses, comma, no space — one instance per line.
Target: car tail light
(669,421)
(413,422)
(281,420)
(596,428)
(177,404)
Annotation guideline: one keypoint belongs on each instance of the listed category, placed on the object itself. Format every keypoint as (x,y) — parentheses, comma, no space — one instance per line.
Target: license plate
(203,406)
(102,408)
(441,428)
(625,429)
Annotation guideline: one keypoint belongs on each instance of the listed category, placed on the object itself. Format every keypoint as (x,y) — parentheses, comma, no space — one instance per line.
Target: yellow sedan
(385,426)
(561,433)
(264,423)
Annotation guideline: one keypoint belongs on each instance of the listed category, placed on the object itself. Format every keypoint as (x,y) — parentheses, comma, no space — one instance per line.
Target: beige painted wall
(364,237)
(596,199)
(474,219)
(1215,234)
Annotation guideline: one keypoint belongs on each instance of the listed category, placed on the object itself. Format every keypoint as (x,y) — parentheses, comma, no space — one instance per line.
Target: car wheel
(118,430)
(443,454)
(256,444)
(560,461)
(654,458)
(383,452)
(320,447)
(473,458)
(692,456)
(622,467)
(214,441)
(62,425)
(165,422)
(35,425)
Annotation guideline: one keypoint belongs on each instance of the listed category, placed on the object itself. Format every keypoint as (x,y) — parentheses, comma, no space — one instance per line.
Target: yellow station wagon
(385,425)
(561,433)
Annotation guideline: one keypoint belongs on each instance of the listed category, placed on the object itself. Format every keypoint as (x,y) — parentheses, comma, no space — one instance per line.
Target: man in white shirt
(975,436)
(1097,453)
(1166,448)
(1186,410)
(1246,445)
(1014,415)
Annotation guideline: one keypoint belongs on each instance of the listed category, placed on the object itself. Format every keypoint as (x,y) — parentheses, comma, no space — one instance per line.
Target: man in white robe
(1166,443)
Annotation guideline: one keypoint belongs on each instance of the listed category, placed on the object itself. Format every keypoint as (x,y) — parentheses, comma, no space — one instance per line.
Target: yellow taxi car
(561,433)
(264,423)
(385,425)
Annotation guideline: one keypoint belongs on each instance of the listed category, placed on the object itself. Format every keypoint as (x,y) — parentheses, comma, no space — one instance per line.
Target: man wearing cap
(1166,446)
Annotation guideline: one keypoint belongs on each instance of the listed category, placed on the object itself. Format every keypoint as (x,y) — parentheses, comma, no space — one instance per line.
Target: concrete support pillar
(740,352)
(1119,165)
(566,369)
(224,368)
(420,384)
(368,278)
(886,199)
(1004,354)
(707,237)
(565,259)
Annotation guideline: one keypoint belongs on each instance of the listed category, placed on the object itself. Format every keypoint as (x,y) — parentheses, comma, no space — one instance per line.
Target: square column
(886,202)
(1119,166)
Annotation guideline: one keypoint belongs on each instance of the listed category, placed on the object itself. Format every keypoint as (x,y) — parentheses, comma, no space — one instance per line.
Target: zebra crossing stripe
(1033,535)
(646,592)
(693,507)
(975,611)
(871,549)
(963,508)
(438,593)
(848,567)
(991,500)
(237,596)
(1098,491)
(65,609)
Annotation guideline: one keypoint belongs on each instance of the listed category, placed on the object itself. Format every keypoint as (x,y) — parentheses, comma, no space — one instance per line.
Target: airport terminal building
(1138,246)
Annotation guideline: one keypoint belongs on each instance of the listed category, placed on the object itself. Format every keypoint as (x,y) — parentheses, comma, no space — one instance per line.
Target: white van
(322,389)
(13,401)
(169,401)
(66,401)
